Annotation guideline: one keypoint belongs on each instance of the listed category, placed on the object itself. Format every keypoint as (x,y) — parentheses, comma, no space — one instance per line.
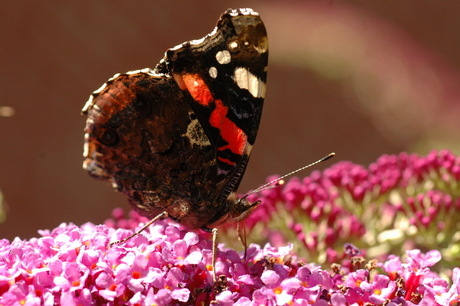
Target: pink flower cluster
(326,213)
(168,266)
(401,200)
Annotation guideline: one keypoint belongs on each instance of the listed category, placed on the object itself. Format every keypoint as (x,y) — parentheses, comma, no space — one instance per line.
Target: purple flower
(400,202)
(70,266)
(168,265)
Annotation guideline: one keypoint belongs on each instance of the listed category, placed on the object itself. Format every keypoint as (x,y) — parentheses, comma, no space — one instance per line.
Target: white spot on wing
(213,72)
(246,80)
(233,45)
(223,57)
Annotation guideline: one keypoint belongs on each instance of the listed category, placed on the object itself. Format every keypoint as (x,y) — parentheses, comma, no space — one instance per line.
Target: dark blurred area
(360,78)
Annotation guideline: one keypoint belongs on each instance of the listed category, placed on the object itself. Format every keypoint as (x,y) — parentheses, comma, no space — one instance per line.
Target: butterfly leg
(214,254)
(220,283)
(161,216)
(241,230)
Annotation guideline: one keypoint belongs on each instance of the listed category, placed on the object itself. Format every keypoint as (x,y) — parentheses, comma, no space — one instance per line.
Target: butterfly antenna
(279,180)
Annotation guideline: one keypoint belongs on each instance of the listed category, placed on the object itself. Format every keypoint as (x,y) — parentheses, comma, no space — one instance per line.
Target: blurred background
(361,78)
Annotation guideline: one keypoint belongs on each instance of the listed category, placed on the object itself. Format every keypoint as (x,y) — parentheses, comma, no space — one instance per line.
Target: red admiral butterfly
(176,139)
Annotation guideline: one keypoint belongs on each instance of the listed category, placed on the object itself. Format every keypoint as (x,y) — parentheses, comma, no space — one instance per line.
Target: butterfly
(176,139)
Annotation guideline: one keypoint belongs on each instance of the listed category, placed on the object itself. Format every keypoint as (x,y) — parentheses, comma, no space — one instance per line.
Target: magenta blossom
(398,201)
(168,266)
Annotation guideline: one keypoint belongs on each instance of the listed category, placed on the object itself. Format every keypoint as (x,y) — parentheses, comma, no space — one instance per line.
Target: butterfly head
(242,208)
(238,210)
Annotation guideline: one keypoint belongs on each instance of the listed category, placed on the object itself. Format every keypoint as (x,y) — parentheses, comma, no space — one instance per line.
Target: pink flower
(168,265)
(400,200)
(69,266)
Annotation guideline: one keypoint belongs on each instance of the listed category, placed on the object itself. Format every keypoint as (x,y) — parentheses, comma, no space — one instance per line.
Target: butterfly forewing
(225,74)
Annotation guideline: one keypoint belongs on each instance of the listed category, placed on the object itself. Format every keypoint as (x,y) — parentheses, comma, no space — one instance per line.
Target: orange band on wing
(230,132)
(234,136)
(198,89)
(226,160)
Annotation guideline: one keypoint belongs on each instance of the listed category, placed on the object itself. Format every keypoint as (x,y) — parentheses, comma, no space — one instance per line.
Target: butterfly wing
(177,139)
(144,139)
(225,74)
